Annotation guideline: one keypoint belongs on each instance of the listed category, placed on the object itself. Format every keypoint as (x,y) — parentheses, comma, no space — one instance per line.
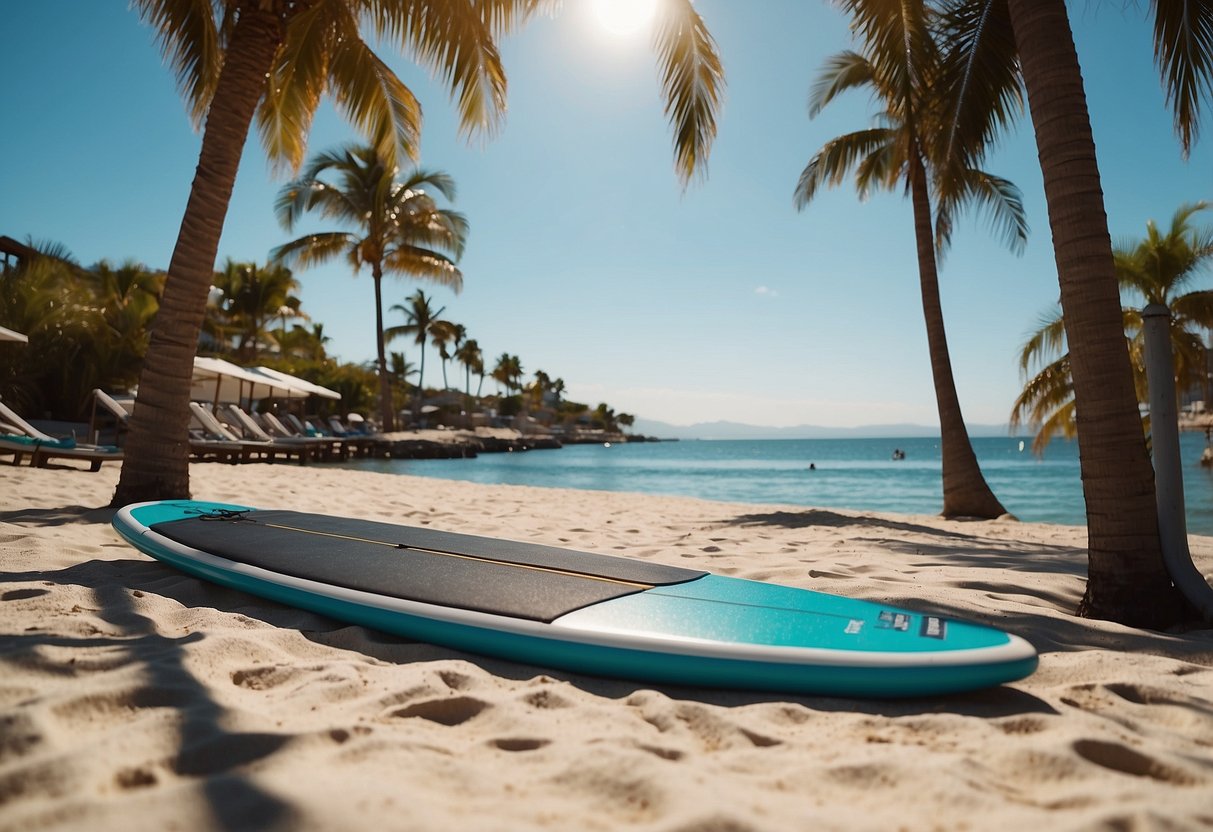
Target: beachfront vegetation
(246,301)
(910,77)
(87,328)
(239,59)
(401,230)
(1155,269)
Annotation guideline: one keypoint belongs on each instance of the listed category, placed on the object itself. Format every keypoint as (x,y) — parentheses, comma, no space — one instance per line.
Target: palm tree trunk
(965,490)
(1127,580)
(385,383)
(156,464)
(467,396)
(417,403)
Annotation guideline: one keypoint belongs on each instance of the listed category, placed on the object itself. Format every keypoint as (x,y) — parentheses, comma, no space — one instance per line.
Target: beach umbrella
(216,380)
(10,335)
(301,385)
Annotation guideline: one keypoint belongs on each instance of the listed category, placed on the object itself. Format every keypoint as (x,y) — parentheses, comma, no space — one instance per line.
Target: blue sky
(586,258)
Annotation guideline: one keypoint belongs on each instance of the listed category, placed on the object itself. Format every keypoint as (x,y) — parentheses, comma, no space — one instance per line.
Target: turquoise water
(850,473)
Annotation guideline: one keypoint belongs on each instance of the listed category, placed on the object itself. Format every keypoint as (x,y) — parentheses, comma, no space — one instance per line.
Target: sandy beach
(134,697)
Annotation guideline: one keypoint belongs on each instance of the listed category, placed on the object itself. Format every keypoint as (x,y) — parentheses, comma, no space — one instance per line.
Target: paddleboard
(589,613)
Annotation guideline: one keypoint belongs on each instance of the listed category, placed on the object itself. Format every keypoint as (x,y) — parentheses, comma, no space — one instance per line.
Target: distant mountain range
(737,430)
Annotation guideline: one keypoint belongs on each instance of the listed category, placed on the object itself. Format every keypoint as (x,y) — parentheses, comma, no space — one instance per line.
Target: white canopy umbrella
(10,335)
(301,385)
(216,380)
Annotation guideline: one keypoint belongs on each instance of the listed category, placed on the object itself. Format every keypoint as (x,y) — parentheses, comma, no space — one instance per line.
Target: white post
(1168,467)
(1164,427)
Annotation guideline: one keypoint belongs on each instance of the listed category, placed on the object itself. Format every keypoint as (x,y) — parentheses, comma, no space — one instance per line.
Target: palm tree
(128,297)
(400,369)
(1127,580)
(307,344)
(252,297)
(508,372)
(421,317)
(469,355)
(1155,269)
(445,337)
(401,229)
(540,388)
(275,59)
(904,68)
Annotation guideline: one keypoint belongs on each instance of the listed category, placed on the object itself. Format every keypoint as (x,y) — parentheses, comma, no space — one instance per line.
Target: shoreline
(135,696)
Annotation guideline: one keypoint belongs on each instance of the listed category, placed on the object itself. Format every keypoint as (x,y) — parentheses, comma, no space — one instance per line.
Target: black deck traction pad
(335,550)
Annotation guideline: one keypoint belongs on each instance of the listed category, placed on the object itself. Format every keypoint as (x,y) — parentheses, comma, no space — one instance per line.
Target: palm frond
(980,88)
(998,199)
(836,159)
(373,98)
(440,181)
(1195,308)
(1063,422)
(1047,401)
(1183,53)
(1046,343)
(900,48)
(313,249)
(454,40)
(692,84)
(189,38)
(879,169)
(330,202)
(439,229)
(424,263)
(505,16)
(295,85)
(844,71)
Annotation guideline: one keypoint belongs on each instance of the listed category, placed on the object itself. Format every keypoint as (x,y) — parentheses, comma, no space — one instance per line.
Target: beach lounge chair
(329,447)
(299,448)
(202,449)
(352,445)
(22,439)
(211,430)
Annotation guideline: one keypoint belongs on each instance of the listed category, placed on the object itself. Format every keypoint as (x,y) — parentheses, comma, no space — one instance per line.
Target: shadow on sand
(208,750)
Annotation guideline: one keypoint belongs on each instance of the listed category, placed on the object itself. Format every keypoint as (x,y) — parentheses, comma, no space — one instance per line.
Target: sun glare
(624,17)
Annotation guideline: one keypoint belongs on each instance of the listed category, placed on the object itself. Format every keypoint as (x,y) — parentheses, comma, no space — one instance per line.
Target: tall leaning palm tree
(401,229)
(274,60)
(903,67)
(1127,580)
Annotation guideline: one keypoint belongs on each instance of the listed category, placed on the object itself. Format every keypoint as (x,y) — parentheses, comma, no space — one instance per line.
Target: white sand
(133,697)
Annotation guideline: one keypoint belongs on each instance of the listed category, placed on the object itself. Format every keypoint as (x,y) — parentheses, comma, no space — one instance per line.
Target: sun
(624,17)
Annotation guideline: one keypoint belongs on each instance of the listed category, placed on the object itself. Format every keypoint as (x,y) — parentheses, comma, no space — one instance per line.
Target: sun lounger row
(239,437)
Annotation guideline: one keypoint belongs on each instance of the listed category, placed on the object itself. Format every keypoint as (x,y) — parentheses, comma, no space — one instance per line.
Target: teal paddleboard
(590,613)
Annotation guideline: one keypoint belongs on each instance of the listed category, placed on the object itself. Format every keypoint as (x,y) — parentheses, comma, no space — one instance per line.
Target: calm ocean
(850,473)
